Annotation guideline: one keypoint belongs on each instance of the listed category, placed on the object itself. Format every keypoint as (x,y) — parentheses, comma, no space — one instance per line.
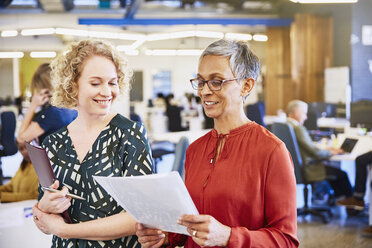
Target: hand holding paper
(156,201)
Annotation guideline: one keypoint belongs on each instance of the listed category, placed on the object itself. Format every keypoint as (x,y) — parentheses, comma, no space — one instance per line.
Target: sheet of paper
(154,200)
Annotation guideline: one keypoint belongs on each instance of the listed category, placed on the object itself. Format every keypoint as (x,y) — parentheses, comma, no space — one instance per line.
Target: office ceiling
(21,14)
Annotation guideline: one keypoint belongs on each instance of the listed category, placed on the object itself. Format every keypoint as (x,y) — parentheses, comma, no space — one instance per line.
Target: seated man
(297,114)
(356,201)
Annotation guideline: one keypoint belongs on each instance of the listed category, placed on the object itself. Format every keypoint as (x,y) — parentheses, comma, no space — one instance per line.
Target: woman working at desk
(97,143)
(239,175)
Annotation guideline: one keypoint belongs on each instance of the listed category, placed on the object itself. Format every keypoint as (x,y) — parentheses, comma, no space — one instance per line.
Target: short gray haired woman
(239,175)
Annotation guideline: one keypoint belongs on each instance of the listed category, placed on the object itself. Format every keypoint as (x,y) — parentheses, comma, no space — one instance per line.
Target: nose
(105,90)
(205,90)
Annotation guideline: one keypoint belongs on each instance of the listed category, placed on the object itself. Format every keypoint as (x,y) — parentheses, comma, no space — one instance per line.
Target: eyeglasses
(214,85)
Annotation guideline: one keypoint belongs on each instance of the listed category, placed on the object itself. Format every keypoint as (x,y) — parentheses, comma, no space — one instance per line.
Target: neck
(226,124)
(91,122)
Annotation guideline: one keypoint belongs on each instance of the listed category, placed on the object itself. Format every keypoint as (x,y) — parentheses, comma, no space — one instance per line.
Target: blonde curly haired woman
(99,142)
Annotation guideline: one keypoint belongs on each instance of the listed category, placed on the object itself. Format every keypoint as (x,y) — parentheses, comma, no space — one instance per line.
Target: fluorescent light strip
(11,55)
(38,31)
(9,33)
(324,1)
(238,36)
(73,32)
(260,37)
(43,54)
(171,52)
(209,34)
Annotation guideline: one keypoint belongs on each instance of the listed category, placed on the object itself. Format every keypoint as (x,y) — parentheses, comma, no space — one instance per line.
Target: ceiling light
(260,37)
(38,31)
(209,34)
(324,1)
(43,54)
(102,34)
(73,32)
(10,55)
(9,33)
(238,36)
(126,36)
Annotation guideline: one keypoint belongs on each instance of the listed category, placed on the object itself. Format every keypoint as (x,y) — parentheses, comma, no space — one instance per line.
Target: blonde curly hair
(67,69)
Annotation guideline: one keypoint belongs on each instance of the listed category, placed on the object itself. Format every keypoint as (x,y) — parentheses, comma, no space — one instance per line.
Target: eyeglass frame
(208,81)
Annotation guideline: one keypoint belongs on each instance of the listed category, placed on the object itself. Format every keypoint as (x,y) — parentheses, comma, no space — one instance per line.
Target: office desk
(363,145)
(21,231)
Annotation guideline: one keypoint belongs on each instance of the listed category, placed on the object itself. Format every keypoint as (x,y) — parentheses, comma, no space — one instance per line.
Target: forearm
(112,227)
(27,118)
(264,237)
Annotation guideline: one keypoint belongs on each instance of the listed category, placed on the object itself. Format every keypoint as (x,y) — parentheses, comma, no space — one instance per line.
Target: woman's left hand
(48,223)
(206,230)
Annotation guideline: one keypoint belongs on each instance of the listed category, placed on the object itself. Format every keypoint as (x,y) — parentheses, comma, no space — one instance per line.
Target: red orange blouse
(251,187)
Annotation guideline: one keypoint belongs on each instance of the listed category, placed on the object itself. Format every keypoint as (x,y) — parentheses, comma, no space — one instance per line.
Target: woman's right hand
(40,97)
(150,238)
(55,202)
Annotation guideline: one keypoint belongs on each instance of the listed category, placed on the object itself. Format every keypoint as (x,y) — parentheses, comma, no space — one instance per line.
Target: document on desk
(155,200)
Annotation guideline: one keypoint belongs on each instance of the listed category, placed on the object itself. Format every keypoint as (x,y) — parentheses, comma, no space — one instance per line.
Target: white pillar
(16,84)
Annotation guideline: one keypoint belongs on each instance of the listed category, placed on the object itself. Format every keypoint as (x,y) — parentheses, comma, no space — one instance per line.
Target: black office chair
(160,149)
(256,113)
(284,131)
(8,145)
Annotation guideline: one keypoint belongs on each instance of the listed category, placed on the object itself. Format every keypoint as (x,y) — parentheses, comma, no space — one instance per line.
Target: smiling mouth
(210,103)
(103,102)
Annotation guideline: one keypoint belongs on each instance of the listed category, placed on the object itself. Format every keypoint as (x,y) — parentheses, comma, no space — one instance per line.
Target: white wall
(182,69)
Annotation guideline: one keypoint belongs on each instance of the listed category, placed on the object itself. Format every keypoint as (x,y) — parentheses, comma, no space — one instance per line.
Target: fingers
(149,238)
(55,185)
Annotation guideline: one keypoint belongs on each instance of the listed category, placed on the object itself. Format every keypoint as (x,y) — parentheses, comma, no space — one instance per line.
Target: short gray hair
(243,62)
(294,104)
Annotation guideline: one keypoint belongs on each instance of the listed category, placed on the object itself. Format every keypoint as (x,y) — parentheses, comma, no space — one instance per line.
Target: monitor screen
(361,114)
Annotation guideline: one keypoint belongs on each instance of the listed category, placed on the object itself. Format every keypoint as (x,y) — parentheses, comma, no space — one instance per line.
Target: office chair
(179,155)
(160,149)
(284,131)
(8,145)
(256,112)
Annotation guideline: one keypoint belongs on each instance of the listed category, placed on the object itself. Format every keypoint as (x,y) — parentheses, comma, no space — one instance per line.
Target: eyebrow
(100,78)
(216,74)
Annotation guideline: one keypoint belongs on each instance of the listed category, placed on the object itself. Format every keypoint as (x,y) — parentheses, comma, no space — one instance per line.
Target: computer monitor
(361,114)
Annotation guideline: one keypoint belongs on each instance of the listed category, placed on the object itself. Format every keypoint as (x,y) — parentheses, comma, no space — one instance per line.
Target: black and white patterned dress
(121,149)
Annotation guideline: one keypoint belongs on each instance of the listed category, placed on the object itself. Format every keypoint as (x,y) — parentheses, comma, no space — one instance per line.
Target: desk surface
(24,233)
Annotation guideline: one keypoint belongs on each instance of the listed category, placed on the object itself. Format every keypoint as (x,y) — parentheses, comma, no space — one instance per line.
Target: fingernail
(162,235)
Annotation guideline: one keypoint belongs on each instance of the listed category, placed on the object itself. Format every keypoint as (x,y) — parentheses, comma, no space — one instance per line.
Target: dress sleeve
(280,225)
(138,160)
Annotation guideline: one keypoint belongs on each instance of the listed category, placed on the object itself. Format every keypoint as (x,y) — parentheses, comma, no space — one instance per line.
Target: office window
(161,81)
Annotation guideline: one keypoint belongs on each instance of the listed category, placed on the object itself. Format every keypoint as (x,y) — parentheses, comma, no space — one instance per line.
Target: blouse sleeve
(138,159)
(280,207)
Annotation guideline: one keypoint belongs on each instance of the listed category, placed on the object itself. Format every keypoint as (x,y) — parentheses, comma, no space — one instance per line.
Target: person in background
(239,175)
(99,142)
(41,118)
(356,201)
(297,114)
(23,185)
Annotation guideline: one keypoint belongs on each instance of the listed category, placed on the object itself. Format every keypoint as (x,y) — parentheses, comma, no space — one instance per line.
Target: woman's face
(97,86)
(226,102)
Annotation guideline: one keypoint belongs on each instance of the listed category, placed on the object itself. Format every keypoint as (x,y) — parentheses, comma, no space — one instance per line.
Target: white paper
(154,200)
